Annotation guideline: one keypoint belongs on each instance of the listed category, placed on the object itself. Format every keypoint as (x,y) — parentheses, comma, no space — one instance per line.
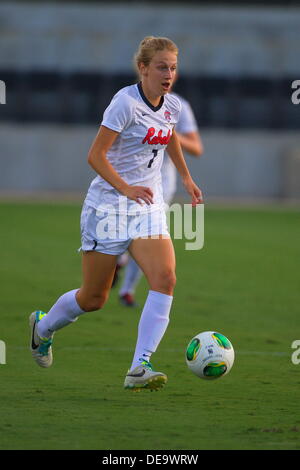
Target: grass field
(244,283)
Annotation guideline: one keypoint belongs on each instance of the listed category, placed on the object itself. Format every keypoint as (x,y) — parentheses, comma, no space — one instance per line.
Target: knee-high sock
(133,274)
(63,312)
(152,326)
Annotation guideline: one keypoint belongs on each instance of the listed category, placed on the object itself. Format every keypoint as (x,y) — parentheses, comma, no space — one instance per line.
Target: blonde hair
(148,48)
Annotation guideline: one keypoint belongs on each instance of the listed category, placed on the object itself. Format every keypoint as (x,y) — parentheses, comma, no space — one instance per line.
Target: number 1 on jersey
(155,152)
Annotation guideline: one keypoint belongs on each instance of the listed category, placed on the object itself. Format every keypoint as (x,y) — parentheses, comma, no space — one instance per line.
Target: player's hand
(139,194)
(194,191)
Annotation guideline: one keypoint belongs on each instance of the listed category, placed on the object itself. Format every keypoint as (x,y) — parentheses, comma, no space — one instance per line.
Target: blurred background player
(190,141)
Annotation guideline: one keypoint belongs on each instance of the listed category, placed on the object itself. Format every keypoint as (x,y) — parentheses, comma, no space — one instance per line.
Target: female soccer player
(190,141)
(124,209)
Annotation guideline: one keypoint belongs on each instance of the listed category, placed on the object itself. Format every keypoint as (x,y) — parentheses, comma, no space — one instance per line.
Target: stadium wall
(247,164)
(215,41)
(212,39)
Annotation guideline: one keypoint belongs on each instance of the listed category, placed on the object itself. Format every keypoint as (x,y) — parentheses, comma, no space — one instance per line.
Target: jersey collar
(154,108)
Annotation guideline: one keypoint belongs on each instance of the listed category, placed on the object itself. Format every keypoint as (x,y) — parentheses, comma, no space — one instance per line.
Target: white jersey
(186,123)
(137,153)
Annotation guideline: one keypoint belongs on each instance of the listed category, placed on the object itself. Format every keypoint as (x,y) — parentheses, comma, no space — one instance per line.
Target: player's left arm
(175,153)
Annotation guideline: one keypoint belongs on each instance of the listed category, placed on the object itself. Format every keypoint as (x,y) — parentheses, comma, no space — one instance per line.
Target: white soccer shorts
(112,233)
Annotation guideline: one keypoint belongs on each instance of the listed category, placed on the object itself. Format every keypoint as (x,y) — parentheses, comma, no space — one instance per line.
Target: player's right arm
(98,160)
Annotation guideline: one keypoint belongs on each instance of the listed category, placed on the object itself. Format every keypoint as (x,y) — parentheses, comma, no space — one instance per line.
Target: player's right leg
(98,271)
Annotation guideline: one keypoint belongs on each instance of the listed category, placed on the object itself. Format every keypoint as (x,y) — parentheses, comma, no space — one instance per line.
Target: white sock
(152,326)
(133,274)
(123,259)
(63,312)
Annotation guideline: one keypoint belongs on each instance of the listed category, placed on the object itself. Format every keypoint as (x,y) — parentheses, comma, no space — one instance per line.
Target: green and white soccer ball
(210,355)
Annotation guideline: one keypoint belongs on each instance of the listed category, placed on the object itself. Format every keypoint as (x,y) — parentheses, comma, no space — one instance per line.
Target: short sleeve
(118,115)
(187,121)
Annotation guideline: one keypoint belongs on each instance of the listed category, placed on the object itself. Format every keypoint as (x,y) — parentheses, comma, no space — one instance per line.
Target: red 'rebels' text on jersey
(159,139)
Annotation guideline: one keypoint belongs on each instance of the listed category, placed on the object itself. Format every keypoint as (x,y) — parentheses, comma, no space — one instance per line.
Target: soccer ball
(209,355)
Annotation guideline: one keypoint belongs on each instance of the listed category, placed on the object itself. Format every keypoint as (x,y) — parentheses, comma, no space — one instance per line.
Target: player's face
(160,74)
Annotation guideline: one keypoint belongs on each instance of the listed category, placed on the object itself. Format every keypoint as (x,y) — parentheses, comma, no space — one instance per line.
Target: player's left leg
(133,273)
(157,260)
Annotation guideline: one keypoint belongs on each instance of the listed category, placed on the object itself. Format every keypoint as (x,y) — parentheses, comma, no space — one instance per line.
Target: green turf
(244,283)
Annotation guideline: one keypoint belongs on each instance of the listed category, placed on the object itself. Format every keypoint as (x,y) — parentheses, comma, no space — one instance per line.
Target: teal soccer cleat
(41,348)
(143,377)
